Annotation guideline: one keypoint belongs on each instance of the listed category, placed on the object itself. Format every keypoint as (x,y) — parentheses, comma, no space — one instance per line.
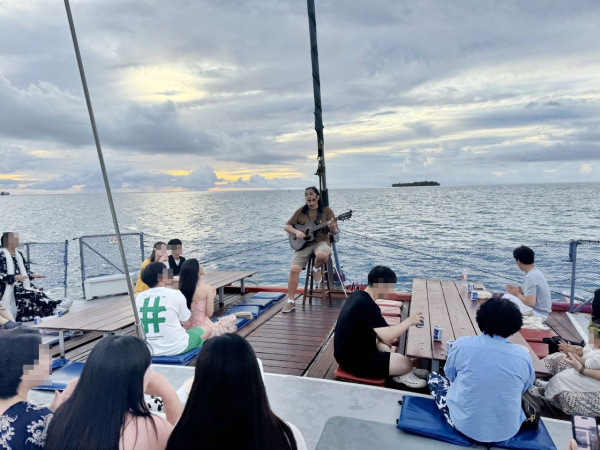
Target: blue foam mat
(179,360)
(254,310)
(241,322)
(263,303)
(269,296)
(61,377)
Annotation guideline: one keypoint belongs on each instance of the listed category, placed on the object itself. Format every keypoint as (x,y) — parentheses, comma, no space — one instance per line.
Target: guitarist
(312,211)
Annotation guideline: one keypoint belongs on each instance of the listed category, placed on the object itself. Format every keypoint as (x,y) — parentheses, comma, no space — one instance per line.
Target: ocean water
(431,232)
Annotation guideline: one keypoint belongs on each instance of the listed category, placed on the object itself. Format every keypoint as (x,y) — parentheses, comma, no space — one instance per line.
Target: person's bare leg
(292,286)
(320,259)
(382,347)
(3,321)
(399,365)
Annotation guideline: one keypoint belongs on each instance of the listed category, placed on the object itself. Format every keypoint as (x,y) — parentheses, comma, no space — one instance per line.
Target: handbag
(532,412)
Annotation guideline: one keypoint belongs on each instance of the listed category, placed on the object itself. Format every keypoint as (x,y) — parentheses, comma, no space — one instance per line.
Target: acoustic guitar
(310,229)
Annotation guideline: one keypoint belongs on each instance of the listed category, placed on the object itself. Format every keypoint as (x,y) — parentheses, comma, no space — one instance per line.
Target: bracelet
(582,370)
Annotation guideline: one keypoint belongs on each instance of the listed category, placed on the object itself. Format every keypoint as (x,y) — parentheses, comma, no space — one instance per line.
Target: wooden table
(447,304)
(113,316)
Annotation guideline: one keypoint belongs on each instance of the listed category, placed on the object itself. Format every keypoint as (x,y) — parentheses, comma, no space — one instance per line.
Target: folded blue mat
(254,310)
(421,416)
(268,296)
(179,360)
(263,303)
(61,377)
(59,362)
(241,322)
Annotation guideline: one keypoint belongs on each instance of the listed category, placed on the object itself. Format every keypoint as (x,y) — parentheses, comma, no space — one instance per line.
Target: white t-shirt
(161,312)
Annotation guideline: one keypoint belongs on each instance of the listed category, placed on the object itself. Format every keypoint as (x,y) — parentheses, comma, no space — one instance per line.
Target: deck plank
(418,342)
(439,316)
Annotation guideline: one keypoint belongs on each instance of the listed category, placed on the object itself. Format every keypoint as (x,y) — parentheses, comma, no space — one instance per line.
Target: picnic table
(447,304)
(113,316)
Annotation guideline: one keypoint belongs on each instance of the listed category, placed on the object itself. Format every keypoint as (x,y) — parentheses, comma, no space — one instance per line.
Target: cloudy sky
(199,94)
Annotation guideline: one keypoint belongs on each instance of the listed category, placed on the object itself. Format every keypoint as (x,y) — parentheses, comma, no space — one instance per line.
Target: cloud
(586,168)
(257,181)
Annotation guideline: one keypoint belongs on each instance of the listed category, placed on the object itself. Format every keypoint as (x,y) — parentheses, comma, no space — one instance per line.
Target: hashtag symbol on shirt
(154,310)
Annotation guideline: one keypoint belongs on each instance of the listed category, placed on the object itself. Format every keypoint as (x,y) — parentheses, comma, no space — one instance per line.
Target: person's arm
(4,276)
(567,347)
(61,397)
(578,363)
(159,386)
(450,366)
(389,333)
(210,301)
(289,226)
(183,312)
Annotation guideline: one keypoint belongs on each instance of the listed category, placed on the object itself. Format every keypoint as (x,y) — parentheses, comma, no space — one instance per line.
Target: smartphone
(585,433)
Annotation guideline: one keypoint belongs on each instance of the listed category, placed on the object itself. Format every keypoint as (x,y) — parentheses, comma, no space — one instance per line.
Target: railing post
(28,255)
(573,259)
(82,266)
(66,259)
(142,245)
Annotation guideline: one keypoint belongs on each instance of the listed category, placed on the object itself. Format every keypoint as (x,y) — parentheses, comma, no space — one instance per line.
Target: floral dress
(23,426)
(30,304)
(225,324)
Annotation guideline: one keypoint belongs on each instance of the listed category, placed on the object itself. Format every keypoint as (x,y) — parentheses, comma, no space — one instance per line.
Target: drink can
(471,287)
(449,344)
(59,313)
(437,334)
(421,325)
(474,295)
(37,320)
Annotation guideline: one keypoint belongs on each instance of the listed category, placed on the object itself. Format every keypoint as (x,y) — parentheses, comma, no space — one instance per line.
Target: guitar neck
(324,224)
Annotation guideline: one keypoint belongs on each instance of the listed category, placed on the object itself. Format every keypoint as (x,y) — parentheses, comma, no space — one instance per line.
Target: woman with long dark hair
(200,299)
(159,254)
(107,409)
(228,405)
(596,307)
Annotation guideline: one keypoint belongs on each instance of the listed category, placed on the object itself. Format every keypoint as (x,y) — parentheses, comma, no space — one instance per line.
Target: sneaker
(423,374)
(66,304)
(62,310)
(289,307)
(317,275)
(411,381)
(540,383)
(10,325)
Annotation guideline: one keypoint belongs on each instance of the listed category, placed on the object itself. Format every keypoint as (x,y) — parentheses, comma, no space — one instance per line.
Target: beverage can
(59,313)
(421,325)
(471,287)
(474,295)
(437,333)
(37,320)
(449,344)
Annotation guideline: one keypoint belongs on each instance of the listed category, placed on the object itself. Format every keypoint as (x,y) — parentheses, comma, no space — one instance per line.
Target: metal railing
(50,259)
(99,255)
(571,268)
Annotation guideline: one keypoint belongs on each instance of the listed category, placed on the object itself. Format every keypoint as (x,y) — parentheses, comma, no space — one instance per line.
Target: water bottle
(464,277)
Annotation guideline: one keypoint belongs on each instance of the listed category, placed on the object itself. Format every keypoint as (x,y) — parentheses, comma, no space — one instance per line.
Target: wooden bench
(113,316)
(447,304)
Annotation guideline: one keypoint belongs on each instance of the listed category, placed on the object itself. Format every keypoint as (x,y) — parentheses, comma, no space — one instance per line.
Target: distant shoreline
(417,183)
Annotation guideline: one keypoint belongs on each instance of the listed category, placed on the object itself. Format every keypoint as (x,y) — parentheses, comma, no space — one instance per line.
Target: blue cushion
(269,296)
(59,362)
(421,416)
(241,322)
(179,360)
(254,310)
(263,303)
(528,440)
(61,377)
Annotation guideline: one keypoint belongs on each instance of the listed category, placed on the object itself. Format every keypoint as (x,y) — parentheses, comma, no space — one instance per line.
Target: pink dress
(225,324)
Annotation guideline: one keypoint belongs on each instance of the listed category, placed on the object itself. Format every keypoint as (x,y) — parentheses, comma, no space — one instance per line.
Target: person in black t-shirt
(362,338)
(175,246)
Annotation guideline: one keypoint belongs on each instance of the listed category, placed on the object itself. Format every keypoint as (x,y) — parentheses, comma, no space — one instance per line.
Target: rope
(244,251)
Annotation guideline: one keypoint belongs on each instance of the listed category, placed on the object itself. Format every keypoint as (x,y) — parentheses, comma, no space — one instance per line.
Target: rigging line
(88,100)
(244,251)
(475,269)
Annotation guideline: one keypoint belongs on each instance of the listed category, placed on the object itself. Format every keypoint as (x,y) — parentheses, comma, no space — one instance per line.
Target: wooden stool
(324,279)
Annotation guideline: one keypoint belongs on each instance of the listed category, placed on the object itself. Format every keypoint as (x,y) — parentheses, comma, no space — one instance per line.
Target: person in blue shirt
(486,375)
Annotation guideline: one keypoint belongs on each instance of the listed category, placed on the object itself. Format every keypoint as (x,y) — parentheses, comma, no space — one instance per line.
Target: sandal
(411,381)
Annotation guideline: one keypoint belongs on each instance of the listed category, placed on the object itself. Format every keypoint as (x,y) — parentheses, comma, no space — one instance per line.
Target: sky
(198,94)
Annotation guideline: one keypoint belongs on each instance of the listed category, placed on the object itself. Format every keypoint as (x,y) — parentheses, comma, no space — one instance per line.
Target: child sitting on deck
(163,312)
(200,299)
(175,247)
(362,341)
(486,377)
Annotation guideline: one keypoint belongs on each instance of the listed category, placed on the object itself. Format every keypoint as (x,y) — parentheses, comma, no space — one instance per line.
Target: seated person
(175,247)
(228,384)
(575,386)
(534,298)
(107,409)
(25,364)
(163,312)
(200,298)
(363,338)
(7,321)
(486,377)
(159,254)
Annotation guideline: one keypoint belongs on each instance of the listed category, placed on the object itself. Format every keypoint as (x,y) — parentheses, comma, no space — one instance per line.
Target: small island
(417,183)
(4,193)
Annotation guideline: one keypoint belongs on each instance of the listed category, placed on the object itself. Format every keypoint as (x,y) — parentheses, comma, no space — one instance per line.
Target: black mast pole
(312,25)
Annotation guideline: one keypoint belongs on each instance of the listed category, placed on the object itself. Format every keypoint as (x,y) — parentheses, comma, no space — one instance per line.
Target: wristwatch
(581,370)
